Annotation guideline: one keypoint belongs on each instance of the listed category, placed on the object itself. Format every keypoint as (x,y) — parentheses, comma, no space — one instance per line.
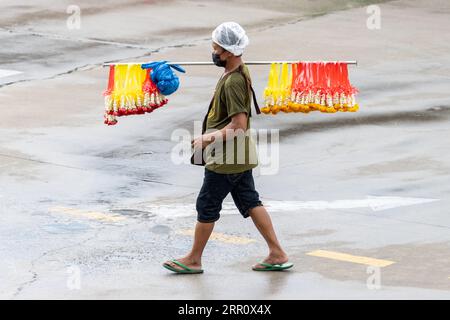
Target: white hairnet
(231,36)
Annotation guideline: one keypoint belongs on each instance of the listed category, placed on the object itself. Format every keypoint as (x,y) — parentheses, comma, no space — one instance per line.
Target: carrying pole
(206,63)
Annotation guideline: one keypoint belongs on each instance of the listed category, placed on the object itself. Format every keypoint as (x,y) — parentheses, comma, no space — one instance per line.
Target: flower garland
(310,86)
(131,90)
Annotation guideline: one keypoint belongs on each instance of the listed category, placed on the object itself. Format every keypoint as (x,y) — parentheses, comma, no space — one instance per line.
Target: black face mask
(217,61)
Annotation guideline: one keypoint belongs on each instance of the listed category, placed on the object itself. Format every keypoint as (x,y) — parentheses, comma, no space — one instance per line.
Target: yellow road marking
(88,214)
(350,258)
(220,237)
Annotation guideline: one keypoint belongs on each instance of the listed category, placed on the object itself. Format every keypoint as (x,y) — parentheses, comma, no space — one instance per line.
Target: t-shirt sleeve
(236,96)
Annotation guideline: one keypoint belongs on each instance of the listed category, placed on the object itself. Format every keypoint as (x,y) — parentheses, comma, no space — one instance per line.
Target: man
(224,173)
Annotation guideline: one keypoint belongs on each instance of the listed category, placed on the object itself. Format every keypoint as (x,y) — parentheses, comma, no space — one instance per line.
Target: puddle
(134,213)
(63,228)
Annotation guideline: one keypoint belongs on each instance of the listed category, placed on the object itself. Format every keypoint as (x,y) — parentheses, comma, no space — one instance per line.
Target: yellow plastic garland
(277,92)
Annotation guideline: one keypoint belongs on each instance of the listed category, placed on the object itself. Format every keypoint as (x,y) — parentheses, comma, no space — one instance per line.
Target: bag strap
(258,111)
(206,116)
(249,85)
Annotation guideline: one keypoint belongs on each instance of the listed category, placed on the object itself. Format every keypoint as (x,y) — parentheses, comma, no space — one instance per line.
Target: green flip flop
(273,267)
(185,270)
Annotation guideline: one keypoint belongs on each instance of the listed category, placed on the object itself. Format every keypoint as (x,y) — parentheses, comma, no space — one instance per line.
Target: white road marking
(373,202)
(376,203)
(8,73)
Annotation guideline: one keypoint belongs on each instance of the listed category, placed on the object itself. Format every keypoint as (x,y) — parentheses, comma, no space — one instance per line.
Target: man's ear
(229,54)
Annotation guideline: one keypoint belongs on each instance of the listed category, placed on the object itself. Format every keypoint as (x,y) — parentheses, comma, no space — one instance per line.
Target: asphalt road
(359,201)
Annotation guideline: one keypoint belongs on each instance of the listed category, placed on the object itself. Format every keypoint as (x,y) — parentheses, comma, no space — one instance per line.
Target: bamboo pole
(205,63)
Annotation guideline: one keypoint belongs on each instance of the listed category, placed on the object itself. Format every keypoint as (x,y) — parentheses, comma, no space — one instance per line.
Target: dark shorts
(216,187)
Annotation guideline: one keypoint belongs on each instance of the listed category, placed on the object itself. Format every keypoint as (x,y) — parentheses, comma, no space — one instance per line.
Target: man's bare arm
(238,122)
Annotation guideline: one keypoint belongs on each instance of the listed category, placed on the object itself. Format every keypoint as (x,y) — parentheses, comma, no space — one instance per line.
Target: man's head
(228,41)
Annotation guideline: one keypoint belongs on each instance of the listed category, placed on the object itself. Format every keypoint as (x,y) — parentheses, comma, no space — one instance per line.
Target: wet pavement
(360,201)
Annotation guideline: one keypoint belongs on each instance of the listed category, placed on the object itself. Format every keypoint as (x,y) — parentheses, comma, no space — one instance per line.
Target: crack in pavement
(91,66)
(54,36)
(192,43)
(35,275)
(87,169)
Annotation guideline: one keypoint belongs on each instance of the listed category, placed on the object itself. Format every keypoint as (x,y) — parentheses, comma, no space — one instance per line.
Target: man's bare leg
(263,223)
(194,258)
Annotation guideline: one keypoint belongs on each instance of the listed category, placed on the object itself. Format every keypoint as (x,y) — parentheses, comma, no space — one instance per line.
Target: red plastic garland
(315,86)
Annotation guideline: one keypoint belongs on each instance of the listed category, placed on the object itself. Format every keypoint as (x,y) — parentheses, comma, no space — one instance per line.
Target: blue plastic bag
(163,76)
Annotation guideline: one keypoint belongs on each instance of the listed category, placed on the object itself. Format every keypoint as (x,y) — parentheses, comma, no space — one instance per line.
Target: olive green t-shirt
(231,97)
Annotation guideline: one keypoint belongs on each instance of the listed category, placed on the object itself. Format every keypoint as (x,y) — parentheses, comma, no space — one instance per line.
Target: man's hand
(238,121)
(202,142)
